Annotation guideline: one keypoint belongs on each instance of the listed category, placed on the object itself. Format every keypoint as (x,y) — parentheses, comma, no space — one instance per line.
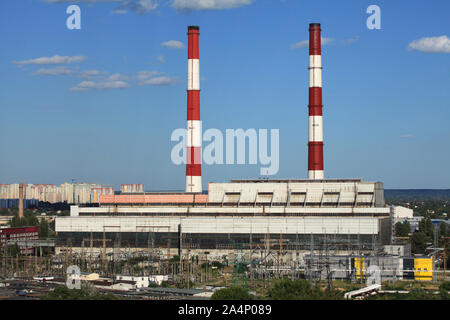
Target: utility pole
(35,260)
(279,255)
(91,253)
(445,259)
(181,253)
(104,250)
(187,269)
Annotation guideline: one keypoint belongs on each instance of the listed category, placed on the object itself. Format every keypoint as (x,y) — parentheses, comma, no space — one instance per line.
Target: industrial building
(292,217)
(244,212)
(24,237)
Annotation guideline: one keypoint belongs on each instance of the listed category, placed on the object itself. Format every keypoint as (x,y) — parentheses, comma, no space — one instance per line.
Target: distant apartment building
(132,188)
(77,193)
(97,192)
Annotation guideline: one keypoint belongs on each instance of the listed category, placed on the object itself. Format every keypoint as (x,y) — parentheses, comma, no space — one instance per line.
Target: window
(232,193)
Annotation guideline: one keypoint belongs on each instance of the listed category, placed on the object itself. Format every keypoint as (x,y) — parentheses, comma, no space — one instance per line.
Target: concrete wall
(207,224)
(164,210)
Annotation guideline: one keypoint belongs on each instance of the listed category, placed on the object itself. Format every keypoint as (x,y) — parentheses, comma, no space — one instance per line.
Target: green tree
(43,230)
(29,219)
(85,293)
(430,228)
(398,229)
(445,285)
(443,229)
(233,293)
(418,242)
(217,264)
(444,288)
(426,226)
(64,213)
(290,290)
(300,289)
(402,229)
(420,294)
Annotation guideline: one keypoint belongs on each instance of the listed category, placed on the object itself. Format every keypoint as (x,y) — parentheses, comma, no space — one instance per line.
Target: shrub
(233,293)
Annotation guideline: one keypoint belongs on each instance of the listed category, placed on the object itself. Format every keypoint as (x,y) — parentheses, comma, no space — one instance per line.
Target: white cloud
(324,41)
(300,44)
(173,44)
(431,45)
(305,43)
(116,76)
(143,75)
(56,59)
(191,5)
(145,6)
(159,81)
(350,40)
(407,136)
(117,81)
(87,85)
(54,71)
(91,73)
(75,1)
(95,79)
(139,6)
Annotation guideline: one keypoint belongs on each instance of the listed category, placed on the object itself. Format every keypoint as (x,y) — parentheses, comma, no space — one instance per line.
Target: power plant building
(282,214)
(245,212)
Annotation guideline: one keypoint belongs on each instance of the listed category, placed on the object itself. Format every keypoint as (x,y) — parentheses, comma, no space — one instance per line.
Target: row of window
(19,235)
(231,214)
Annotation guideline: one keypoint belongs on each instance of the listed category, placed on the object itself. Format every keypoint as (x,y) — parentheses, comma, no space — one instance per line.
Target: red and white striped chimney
(194,125)
(315,139)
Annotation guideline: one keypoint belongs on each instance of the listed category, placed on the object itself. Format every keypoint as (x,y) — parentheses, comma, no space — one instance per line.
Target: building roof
(173,290)
(295,180)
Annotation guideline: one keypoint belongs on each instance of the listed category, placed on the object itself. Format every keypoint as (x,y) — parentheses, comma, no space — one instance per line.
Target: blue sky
(106,110)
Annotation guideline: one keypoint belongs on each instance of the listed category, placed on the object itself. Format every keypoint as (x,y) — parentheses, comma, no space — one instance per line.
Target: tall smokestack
(315,139)
(194,125)
(21,200)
